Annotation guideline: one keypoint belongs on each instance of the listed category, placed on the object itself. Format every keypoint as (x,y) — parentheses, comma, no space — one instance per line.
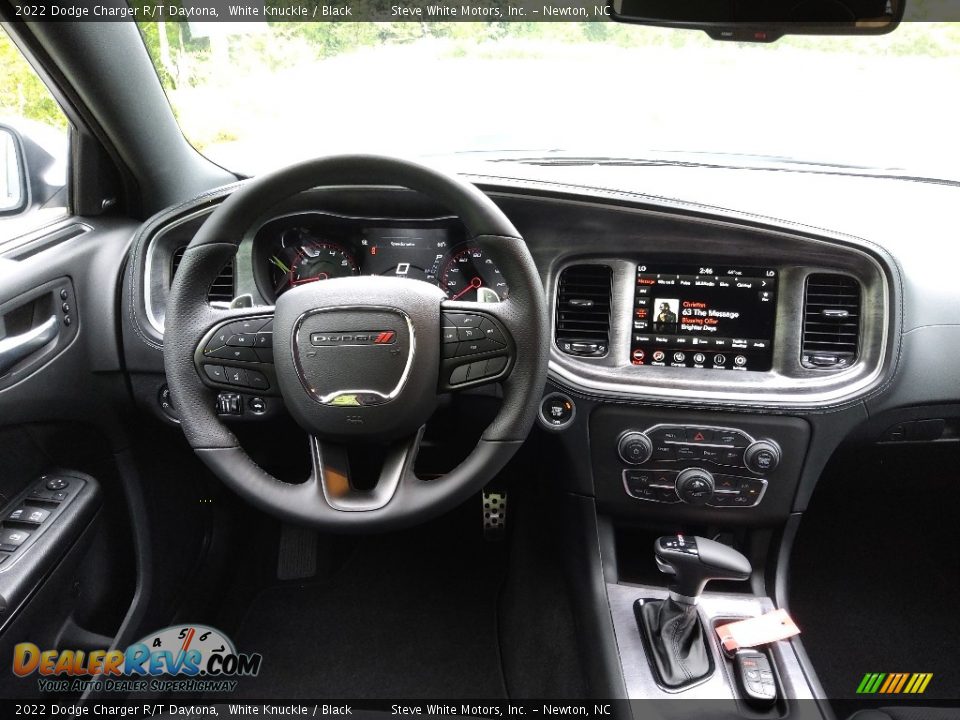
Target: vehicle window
(254,96)
(34,147)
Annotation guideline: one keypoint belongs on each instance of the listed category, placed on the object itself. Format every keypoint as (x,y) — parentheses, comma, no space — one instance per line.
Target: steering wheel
(356,359)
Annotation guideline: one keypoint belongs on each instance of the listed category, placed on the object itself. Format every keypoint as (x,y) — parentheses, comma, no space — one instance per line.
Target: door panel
(67,567)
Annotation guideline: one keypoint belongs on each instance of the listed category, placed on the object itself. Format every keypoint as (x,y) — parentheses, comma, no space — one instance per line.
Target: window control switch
(28,514)
(12,538)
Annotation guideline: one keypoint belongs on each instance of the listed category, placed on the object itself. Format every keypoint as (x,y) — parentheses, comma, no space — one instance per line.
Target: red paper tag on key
(769,627)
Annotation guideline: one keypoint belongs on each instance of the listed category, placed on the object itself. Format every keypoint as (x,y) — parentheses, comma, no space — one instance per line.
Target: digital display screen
(416,253)
(716,317)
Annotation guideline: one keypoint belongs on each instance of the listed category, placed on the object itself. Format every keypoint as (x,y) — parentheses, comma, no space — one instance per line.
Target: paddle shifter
(672,627)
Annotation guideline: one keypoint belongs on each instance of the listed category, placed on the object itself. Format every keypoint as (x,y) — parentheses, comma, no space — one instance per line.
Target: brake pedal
(494,515)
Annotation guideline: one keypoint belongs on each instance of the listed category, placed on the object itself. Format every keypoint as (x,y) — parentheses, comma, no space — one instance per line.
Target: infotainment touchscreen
(704,316)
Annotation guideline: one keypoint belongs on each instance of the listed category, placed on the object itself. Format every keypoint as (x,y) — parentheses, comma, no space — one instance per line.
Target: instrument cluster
(306,248)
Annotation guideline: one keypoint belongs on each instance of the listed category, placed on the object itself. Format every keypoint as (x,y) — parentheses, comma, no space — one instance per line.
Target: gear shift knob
(695,561)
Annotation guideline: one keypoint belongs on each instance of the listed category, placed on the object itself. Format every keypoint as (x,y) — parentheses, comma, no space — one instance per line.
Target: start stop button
(557,411)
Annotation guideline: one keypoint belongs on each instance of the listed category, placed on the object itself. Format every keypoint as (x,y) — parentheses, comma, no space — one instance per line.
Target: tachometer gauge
(309,261)
(469,275)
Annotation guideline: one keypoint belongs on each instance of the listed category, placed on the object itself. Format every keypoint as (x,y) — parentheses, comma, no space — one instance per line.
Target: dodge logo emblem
(362,337)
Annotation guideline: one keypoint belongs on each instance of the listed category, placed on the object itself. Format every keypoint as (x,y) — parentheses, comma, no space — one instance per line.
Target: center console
(690,465)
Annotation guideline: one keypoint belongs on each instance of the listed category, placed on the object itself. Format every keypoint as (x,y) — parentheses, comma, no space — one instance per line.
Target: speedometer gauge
(469,275)
(309,261)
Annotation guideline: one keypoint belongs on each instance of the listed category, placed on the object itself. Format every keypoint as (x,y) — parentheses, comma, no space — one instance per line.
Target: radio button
(685,452)
(670,434)
(711,454)
(663,451)
(634,448)
(731,437)
(732,457)
(762,457)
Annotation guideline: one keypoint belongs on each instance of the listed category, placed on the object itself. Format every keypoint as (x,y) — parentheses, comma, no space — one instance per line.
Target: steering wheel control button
(634,448)
(236,376)
(496,365)
(557,411)
(237,354)
(459,374)
(244,327)
(475,347)
(469,333)
(257,380)
(462,320)
(12,538)
(215,373)
(257,405)
(492,332)
(449,334)
(762,457)
(263,340)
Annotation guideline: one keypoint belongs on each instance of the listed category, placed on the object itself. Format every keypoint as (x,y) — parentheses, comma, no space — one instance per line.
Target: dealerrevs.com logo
(180,658)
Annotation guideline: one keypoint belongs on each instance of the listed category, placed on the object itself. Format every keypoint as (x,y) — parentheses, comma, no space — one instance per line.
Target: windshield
(254,96)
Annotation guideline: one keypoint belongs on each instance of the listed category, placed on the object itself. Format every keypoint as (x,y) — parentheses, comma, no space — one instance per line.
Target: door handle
(18,347)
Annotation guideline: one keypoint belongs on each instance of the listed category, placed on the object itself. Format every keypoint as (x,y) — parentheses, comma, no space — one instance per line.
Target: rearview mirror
(14,195)
(764,20)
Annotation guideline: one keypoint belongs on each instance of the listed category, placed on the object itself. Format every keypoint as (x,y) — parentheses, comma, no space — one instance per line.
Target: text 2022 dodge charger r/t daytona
(425,364)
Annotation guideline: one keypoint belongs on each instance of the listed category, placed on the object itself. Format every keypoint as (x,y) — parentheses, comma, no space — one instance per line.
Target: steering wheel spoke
(236,353)
(333,473)
(477,347)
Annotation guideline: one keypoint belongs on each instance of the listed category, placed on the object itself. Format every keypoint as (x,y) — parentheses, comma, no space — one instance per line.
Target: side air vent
(583,310)
(831,321)
(222,289)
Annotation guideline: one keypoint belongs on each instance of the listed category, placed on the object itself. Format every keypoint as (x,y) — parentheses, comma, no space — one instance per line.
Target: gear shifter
(672,627)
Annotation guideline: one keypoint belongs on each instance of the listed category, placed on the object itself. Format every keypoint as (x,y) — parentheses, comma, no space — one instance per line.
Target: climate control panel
(697,464)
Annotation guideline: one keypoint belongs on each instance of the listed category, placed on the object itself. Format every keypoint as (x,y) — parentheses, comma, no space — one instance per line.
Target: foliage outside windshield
(253,96)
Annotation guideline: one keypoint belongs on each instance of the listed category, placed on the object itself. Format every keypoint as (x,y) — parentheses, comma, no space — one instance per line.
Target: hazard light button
(699,435)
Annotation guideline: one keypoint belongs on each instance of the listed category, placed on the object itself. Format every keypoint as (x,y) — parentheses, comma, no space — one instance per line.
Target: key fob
(755,678)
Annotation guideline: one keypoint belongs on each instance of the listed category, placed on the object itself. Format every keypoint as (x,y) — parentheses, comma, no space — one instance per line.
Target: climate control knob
(695,486)
(762,457)
(635,448)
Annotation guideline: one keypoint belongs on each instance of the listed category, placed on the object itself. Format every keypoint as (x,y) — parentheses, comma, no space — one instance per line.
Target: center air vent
(222,289)
(831,321)
(583,310)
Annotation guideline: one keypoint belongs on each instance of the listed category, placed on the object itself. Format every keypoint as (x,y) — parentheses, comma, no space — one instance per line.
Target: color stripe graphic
(894,683)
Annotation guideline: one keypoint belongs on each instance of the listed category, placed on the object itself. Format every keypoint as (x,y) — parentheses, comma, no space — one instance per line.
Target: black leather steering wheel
(357,359)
